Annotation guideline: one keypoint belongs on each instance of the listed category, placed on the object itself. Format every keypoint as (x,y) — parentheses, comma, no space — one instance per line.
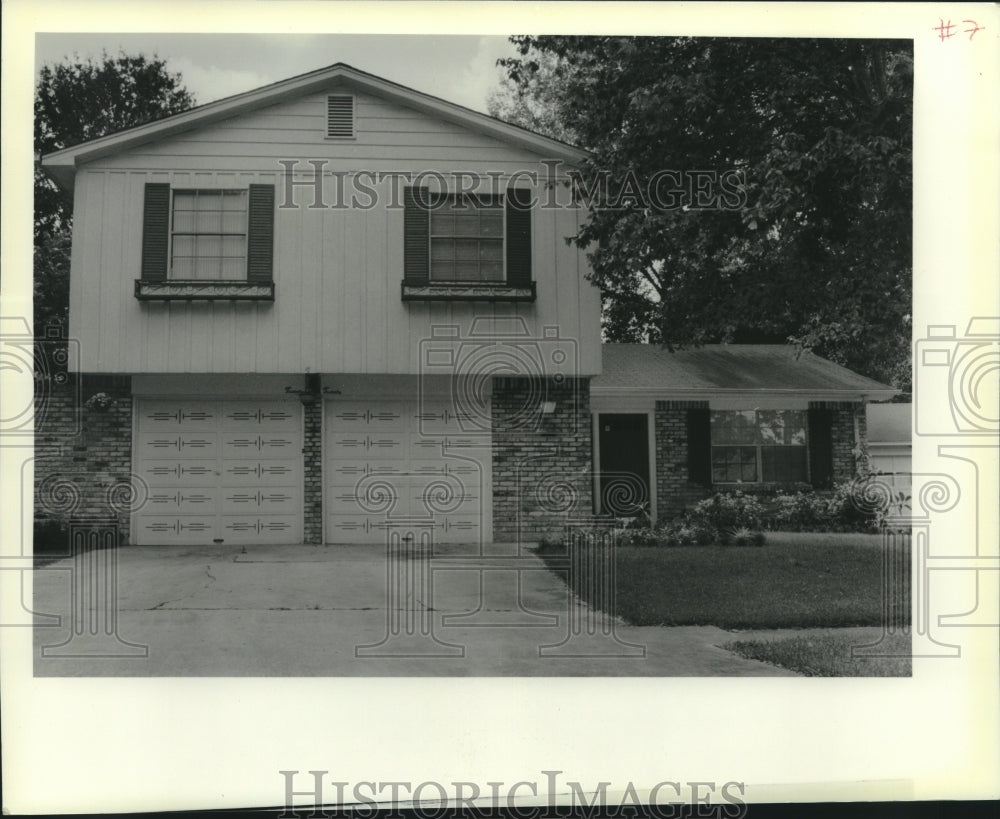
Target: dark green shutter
(699,446)
(155,231)
(416,235)
(821,448)
(260,230)
(518,237)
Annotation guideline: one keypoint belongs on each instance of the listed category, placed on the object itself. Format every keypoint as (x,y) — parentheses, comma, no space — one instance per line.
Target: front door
(624,457)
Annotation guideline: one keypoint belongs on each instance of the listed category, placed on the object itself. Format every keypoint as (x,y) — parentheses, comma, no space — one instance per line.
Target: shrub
(729,511)
(899,505)
(688,531)
(704,534)
(684,535)
(696,528)
(847,512)
(801,511)
(841,510)
(639,537)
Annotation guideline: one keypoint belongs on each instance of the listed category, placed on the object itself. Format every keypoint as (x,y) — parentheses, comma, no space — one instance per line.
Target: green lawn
(796,580)
(829,655)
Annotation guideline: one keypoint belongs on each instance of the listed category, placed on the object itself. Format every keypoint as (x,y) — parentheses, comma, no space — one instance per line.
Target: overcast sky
(460,69)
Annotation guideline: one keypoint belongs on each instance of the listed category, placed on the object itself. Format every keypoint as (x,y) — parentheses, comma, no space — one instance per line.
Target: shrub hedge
(738,519)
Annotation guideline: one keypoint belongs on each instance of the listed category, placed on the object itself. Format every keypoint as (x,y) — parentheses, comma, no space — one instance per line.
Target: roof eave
(819,394)
(64,174)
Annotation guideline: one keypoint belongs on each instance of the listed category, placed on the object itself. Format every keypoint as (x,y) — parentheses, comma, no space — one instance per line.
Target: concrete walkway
(328,611)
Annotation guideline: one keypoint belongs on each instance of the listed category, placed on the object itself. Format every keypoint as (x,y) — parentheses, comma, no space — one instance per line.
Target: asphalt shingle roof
(725,366)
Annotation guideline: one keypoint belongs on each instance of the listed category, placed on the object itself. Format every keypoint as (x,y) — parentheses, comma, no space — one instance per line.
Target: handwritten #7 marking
(945,32)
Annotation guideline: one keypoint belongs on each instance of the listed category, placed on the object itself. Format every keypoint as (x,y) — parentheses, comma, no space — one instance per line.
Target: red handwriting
(975,27)
(946,30)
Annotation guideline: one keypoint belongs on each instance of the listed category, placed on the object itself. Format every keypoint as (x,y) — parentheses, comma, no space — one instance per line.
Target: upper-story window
(467,238)
(754,446)
(475,247)
(207,243)
(208,235)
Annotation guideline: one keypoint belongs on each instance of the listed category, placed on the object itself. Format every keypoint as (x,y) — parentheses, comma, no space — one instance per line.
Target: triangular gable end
(61,165)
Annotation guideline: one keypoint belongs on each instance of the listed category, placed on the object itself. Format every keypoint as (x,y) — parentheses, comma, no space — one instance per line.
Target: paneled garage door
(388,460)
(229,470)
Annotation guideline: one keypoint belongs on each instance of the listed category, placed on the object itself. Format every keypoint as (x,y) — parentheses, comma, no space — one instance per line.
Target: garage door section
(229,470)
(393,459)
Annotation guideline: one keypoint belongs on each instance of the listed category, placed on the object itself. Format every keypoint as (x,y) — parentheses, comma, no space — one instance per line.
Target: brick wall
(674,492)
(542,464)
(845,458)
(312,447)
(83,456)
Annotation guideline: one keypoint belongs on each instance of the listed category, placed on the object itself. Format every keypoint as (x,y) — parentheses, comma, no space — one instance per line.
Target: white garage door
(389,460)
(219,470)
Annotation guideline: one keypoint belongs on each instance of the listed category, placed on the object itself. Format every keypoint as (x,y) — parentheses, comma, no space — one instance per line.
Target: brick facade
(83,455)
(312,449)
(845,457)
(542,464)
(674,492)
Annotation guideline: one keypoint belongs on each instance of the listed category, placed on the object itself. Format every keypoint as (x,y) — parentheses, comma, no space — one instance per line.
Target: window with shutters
(208,235)
(474,247)
(340,116)
(467,239)
(759,446)
(207,243)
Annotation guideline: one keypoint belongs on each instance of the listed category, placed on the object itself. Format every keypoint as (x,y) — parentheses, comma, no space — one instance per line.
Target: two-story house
(335,304)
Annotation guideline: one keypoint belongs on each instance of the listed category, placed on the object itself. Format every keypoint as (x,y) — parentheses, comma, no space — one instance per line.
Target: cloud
(458,68)
(480,75)
(212,82)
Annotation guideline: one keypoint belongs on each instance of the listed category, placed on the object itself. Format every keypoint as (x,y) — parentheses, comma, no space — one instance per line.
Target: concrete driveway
(344,611)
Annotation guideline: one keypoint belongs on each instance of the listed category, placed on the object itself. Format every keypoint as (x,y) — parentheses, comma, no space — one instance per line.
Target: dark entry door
(624,456)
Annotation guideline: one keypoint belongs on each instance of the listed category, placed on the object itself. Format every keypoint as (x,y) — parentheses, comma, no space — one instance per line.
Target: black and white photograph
(358,355)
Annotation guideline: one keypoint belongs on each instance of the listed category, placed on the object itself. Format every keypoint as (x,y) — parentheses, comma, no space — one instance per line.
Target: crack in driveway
(159,606)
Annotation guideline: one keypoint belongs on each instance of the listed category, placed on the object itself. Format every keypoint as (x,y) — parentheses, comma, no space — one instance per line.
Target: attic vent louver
(340,115)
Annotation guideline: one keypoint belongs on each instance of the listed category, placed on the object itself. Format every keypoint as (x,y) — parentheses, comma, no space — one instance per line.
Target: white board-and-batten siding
(337,272)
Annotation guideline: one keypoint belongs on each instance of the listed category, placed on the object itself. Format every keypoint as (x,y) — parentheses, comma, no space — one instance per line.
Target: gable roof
(61,165)
(714,368)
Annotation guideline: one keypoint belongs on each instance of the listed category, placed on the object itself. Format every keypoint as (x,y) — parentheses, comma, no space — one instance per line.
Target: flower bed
(738,519)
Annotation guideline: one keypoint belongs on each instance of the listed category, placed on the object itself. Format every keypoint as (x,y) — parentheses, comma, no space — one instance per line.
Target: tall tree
(814,249)
(76,101)
(533,100)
